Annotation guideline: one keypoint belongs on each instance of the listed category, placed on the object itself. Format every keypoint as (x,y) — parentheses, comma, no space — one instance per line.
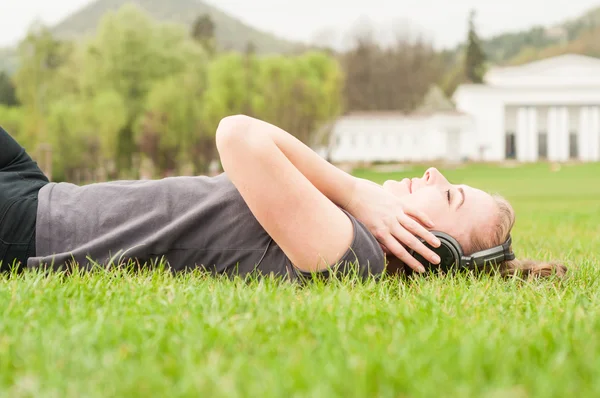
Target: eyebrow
(463,198)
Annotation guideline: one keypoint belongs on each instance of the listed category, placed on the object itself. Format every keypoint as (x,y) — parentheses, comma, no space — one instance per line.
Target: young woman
(278,209)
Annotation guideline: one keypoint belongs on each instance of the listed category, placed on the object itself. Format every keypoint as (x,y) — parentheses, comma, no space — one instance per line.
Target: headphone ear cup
(450,253)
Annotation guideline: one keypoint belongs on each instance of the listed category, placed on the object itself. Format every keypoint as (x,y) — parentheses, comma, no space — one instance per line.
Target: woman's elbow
(232,126)
(239,133)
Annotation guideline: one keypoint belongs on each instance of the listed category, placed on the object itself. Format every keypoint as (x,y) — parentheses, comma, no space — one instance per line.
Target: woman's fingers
(401,233)
(418,215)
(385,249)
(418,230)
(402,254)
(411,241)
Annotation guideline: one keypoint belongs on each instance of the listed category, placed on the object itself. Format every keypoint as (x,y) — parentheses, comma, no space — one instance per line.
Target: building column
(583,136)
(521,135)
(533,135)
(527,134)
(558,134)
(563,134)
(589,132)
(594,134)
(553,150)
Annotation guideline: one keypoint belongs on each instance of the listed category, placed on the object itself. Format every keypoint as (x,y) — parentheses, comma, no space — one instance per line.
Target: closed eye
(448,196)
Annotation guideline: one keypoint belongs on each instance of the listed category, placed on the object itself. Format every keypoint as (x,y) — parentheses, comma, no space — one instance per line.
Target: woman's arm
(292,191)
(292,206)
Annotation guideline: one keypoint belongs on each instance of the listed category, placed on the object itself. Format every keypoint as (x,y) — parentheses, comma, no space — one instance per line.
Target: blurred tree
(300,94)
(8,93)
(322,80)
(454,71)
(250,72)
(40,57)
(11,120)
(143,90)
(227,87)
(203,31)
(395,77)
(359,65)
(415,67)
(475,57)
(106,114)
(129,54)
(172,128)
(75,146)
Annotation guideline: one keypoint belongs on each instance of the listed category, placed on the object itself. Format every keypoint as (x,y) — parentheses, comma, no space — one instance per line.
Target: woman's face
(458,210)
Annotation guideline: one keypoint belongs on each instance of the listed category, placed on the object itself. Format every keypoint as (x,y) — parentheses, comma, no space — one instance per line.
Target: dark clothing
(20,181)
(187,221)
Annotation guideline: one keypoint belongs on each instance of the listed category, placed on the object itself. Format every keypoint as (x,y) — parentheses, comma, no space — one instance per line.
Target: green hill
(579,35)
(231,33)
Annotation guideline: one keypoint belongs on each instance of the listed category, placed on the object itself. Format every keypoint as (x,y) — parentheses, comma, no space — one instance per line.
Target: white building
(397,137)
(436,131)
(548,109)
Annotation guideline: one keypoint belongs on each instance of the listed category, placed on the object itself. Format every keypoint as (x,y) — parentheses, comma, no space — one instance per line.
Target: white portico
(548,109)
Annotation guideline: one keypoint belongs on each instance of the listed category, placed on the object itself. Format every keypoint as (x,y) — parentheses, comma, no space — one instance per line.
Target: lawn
(110,334)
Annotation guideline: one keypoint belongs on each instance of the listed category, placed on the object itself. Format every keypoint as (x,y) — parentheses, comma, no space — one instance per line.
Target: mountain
(579,35)
(231,33)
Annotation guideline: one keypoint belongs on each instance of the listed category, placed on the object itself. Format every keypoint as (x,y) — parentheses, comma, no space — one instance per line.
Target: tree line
(144,95)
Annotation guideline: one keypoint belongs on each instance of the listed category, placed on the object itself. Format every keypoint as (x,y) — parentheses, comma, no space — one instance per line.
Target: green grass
(112,334)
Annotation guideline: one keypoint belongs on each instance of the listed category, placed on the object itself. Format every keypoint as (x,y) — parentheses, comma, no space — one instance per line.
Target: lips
(408,184)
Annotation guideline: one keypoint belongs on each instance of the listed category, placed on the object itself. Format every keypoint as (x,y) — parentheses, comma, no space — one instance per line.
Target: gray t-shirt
(186,221)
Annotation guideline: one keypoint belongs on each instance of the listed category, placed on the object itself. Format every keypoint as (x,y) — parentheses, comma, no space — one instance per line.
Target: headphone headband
(496,254)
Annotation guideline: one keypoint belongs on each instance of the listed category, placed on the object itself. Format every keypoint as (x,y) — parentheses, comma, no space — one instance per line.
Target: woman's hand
(392,223)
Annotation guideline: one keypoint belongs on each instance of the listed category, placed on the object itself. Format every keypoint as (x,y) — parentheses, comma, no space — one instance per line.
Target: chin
(398,188)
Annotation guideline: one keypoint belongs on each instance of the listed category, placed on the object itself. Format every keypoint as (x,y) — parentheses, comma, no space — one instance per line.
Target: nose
(432,177)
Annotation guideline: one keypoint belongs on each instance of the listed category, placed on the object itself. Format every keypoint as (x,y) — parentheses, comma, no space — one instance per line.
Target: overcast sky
(443,20)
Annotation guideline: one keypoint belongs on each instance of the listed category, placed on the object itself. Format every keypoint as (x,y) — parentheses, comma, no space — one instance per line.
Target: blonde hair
(523,268)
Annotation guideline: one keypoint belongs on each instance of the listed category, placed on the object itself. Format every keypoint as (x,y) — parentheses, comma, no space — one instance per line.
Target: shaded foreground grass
(152,334)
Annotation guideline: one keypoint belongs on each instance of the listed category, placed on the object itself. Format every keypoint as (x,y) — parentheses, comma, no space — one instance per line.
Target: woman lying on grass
(278,209)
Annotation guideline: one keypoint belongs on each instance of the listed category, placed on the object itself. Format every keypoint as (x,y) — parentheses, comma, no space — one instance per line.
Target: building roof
(569,70)
(398,114)
(547,63)
(436,101)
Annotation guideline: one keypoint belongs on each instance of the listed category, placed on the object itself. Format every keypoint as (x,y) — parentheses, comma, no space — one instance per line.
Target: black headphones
(453,257)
